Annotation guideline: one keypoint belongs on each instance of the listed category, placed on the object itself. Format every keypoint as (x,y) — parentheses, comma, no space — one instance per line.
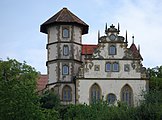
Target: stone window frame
(63,68)
(95,93)
(126,67)
(65,29)
(111,100)
(108,63)
(65,47)
(97,68)
(127,95)
(113,67)
(67,93)
(110,50)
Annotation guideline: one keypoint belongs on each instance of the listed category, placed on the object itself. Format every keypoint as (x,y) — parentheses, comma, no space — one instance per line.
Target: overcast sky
(20,21)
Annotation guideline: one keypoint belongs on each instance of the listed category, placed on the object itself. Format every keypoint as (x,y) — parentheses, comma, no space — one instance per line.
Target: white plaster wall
(52,34)
(119,53)
(77,34)
(52,52)
(77,52)
(91,73)
(111,86)
(52,73)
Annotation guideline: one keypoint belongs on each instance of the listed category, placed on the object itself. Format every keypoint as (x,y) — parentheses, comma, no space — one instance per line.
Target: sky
(20,20)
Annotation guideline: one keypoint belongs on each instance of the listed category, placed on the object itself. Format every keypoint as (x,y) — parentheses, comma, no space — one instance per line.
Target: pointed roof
(135,51)
(64,16)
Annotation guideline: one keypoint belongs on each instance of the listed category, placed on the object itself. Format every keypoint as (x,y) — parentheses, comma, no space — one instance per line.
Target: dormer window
(65,32)
(112,50)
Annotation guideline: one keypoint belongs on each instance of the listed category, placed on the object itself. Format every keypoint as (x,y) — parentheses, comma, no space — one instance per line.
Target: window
(66,93)
(126,67)
(108,67)
(65,50)
(65,33)
(95,93)
(65,70)
(127,95)
(115,67)
(111,98)
(112,50)
(97,67)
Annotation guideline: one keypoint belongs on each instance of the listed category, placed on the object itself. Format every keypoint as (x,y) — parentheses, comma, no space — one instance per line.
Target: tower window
(112,50)
(115,67)
(65,50)
(65,70)
(108,67)
(65,33)
(66,93)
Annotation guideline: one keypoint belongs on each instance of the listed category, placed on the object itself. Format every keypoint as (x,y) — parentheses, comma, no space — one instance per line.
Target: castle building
(81,73)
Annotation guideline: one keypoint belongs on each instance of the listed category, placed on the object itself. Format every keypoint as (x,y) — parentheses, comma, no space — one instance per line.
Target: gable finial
(106,28)
(98,35)
(132,39)
(118,27)
(126,40)
(139,48)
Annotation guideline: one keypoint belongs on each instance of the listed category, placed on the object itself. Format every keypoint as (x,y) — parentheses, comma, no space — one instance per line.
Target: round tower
(64,47)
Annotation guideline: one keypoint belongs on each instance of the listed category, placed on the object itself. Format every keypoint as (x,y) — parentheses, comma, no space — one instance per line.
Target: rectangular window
(97,67)
(112,50)
(126,67)
(65,32)
(65,70)
(115,67)
(65,50)
(108,67)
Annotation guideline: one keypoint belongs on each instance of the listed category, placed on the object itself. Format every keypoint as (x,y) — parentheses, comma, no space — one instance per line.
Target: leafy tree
(18,99)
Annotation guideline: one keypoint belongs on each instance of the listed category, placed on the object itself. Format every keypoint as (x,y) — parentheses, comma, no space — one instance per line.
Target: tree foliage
(18,99)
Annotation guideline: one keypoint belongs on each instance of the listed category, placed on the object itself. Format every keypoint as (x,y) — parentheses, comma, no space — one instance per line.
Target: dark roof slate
(64,16)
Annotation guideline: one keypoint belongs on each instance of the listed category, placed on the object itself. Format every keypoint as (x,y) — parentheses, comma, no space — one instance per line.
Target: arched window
(115,67)
(112,50)
(65,50)
(108,67)
(127,95)
(65,70)
(111,98)
(95,93)
(66,93)
(65,33)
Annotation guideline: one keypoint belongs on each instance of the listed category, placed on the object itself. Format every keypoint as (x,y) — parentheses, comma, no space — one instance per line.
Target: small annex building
(83,73)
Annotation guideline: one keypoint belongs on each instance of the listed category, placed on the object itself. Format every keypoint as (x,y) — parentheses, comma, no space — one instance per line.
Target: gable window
(65,33)
(112,50)
(65,50)
(67,93)
(65,70)
(95,93)
(111,98)
(108,67)
(127,95)
(115,67)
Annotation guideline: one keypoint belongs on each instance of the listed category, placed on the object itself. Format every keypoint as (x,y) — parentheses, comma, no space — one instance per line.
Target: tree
(18,98)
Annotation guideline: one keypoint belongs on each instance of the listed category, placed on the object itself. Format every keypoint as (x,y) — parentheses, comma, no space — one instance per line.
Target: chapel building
(83,73)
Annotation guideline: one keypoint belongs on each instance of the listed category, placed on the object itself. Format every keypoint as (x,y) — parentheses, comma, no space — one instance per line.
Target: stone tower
(64,47)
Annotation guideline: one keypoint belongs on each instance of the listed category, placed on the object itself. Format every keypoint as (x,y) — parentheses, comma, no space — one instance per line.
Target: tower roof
(64,16)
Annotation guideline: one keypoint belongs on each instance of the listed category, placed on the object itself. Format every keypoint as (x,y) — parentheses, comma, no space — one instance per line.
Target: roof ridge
(60,13)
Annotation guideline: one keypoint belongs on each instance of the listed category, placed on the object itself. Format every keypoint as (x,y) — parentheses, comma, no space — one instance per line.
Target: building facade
(81,73)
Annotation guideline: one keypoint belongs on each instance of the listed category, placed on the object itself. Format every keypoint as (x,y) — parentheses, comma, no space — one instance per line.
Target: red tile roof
(42,82)
(88,49)
(62,17)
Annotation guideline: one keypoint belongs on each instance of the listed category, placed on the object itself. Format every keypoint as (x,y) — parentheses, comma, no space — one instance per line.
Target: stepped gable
(64,16)
(88,49)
